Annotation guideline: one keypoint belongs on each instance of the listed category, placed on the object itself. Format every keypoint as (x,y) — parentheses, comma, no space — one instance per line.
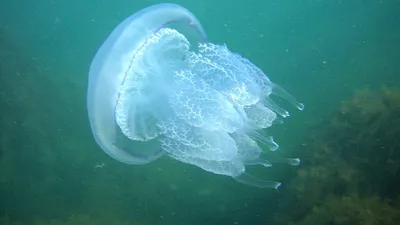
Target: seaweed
(351,171)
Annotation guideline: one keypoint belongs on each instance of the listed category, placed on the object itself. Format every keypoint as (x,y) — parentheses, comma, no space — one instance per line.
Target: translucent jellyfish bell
(156,86)
(111,67)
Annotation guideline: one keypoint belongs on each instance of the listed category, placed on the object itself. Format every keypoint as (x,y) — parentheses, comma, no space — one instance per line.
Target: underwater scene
(199,112)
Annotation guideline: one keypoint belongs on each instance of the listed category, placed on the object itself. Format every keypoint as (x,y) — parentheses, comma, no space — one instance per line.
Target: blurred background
(340,58)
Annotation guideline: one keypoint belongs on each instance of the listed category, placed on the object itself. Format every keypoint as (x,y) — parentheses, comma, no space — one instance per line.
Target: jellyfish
(157,87)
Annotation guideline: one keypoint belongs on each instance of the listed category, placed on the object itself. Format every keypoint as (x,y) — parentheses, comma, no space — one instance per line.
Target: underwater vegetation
(351,167)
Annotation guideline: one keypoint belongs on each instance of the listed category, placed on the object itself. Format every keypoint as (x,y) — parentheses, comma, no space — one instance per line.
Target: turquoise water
(52,170)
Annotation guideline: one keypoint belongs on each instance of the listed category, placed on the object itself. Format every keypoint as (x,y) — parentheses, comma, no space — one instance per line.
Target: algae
(351,168)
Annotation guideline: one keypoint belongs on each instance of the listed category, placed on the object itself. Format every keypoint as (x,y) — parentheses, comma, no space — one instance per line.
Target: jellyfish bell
(157,87)
(108,72)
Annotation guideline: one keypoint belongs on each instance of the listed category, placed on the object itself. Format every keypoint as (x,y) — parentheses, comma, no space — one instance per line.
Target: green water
(320,51)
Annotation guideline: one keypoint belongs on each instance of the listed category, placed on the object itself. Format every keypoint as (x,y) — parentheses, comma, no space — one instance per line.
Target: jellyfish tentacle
(269,103)
(248,179)
(280,92)
(257,161)
(290,161)
(265,140)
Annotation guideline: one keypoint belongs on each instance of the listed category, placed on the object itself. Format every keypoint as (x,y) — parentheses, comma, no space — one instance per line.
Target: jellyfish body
(108,72)
(194,101)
